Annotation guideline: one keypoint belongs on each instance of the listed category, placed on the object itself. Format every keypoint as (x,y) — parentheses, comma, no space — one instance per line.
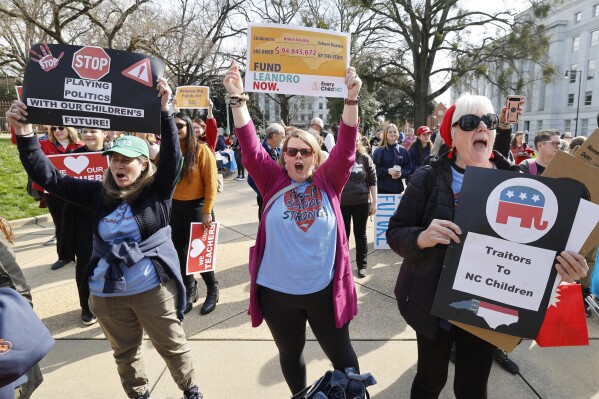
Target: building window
(319,105)
(567,125)
(584,130)
(588,98)
(573,73)
(576,43)
(596,10)
(570,99)
(577,17)
(591,69)
(595,37)
(540,125)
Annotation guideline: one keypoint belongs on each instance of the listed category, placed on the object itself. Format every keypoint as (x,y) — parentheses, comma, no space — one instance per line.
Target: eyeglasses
(470,122)
(305,152)
(180,125)
(55,128)
(556,144)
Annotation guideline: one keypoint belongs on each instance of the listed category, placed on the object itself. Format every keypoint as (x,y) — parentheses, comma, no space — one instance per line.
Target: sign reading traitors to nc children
(92,87)
(202,248)
(285,59)
(500,276)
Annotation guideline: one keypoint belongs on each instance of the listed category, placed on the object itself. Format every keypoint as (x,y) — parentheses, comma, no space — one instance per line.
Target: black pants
(182,215)
(286,317)
(64,248)
(240,168)
(77,234)
(260,202)
(360,215)
(474,358)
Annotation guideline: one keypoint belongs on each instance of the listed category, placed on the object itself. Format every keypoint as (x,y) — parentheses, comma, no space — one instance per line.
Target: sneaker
(505,362)
(193,393)
(59,264)
(452,353)
(242,178)
(238,178)
(87,317)
(51,241)
(362,272)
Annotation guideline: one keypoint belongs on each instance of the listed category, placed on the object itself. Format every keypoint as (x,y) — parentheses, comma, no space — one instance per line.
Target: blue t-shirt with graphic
(120,226)
(301,232)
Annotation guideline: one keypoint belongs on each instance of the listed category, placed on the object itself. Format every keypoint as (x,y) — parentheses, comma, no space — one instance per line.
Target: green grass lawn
(15,203)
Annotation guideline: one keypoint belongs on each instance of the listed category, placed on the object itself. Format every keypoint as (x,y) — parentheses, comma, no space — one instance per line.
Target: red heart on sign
(304,207)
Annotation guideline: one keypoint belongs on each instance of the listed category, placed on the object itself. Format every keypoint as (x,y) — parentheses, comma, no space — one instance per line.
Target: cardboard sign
(201,256)
(84,165)
(501,274)
(583,167)
(92,87)
(192,97)
(386,204)
(287,59)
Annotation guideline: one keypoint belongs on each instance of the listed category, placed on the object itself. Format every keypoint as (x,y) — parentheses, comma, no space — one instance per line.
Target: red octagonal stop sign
(91,62)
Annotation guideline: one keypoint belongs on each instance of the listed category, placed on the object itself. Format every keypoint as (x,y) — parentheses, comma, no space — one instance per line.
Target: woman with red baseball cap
(421,149)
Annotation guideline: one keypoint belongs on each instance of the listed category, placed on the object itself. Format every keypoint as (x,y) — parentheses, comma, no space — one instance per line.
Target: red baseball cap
(423,130)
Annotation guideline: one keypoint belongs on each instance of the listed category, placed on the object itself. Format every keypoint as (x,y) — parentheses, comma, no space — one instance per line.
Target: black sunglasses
(305,152)
(55,128)
(180,125)
(470,122)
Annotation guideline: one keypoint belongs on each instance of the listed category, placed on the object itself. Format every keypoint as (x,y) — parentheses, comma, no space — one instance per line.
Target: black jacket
(152,211)
(428,196)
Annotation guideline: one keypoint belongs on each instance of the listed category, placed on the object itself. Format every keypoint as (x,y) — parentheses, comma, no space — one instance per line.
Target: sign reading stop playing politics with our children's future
(92,87)
(88,166)
(501,275)
(386,204)
(285,59)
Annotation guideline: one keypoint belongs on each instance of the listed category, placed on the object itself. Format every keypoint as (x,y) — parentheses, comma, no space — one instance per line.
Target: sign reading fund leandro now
(92,87)
(285,59)
(500,276)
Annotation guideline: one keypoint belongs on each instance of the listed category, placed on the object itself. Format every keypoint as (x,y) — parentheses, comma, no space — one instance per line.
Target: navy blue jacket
(385,158)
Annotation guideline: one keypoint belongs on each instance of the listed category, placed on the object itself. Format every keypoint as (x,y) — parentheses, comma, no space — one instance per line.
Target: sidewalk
(234,360)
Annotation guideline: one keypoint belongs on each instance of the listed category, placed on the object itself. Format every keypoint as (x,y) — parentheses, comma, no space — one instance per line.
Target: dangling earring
(450,155)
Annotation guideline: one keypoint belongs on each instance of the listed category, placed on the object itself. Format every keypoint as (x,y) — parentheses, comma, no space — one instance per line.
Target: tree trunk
(421,84)
(283,101)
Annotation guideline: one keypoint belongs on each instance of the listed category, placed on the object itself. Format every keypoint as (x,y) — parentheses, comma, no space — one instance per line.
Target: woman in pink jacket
(300,268)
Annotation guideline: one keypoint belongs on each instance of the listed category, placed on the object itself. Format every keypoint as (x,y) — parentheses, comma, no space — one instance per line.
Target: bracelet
(32,134)
(505,126)
(237,100)
(351,102)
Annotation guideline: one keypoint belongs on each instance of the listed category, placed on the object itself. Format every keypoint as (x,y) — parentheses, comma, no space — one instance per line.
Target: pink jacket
(330,177)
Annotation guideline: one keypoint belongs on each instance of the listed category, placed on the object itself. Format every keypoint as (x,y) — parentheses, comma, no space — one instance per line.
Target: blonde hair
(114,195)
(307,138)
(73,137)
(6,230)
(385,130)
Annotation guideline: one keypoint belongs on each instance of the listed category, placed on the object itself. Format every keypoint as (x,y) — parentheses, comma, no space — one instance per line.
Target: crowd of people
(129,234)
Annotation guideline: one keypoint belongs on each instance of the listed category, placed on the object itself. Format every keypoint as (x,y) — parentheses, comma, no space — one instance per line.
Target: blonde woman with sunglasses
(300,268)
(61,139)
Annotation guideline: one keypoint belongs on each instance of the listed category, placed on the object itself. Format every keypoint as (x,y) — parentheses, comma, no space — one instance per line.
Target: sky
(478,5)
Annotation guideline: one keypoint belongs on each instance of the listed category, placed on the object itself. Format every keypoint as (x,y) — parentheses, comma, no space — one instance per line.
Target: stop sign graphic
(91,63)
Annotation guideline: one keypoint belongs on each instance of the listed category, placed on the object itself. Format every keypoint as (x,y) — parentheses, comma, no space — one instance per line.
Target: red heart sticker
(303,208)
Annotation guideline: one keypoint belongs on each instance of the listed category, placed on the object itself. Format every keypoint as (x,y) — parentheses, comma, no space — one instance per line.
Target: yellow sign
(192,97)
(296,60)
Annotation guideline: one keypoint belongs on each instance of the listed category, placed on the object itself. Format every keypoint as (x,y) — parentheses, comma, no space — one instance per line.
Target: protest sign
(19,90)
(500,276)
(386,204)
(92,87)
(192,97)
(201,256)
(286,59)
(85,165)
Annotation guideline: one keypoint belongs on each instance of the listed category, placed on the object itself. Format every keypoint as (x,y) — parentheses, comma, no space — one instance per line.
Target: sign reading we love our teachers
(287,59)
(201,256)
(88,166)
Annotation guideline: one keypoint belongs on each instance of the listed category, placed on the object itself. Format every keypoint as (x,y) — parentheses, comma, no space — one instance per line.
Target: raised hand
(16,116)
(164,92)
(353,82)
(233,83)
(47,61)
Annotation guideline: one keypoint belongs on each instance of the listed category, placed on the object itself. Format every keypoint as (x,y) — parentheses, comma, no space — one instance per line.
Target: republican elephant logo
(522,209)
(524,203)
